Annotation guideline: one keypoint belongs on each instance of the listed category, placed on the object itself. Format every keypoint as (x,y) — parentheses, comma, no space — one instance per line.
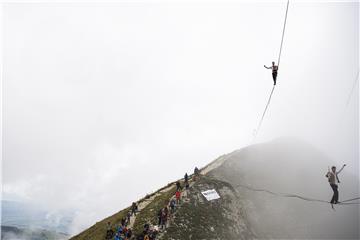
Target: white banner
(210,194)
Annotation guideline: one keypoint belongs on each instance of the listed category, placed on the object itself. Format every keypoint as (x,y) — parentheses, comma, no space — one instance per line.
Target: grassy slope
(200,219)
(98,231)
(148,214)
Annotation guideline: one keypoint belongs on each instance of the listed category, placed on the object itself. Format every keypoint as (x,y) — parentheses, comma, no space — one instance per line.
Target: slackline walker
(275,69)
(287,195)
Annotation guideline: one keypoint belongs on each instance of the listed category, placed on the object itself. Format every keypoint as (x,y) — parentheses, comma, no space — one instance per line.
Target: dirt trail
(146,202)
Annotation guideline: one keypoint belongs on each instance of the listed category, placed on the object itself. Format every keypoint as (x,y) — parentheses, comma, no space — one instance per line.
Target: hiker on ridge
(332,178)
(196,174)
(119,229)
(134,208)
(186,177)
(109,231)
(129,233)
(164,217)
(172,206)
(178,195)
(178,186)
(123,222)
(159,217)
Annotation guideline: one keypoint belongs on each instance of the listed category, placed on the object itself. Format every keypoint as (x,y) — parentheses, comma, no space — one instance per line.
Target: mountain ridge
(279,165)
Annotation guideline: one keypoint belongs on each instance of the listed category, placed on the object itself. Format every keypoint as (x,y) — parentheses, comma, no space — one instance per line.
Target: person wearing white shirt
(333,178)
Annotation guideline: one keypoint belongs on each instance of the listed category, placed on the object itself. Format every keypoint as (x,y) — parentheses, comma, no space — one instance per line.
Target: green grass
(196,220)
(98,230)
(149,213)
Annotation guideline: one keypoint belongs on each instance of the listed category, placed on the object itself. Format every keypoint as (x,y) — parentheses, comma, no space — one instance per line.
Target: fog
(105,102)
(289,166)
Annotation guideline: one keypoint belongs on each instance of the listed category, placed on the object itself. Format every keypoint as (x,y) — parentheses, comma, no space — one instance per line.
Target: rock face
(197,218)
(290,166)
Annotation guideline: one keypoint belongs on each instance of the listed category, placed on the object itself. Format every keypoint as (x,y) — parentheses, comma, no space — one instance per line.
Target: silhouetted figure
(123,221)
(134,208)
(146,227)
(178,186)
(196,174)
(274,71)
(159,217)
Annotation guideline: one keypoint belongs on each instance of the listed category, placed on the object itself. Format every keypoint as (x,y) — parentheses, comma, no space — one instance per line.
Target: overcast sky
(103,103)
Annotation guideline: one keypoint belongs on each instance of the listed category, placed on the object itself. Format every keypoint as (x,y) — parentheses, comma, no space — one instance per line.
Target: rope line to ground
(283,33)
(352,88)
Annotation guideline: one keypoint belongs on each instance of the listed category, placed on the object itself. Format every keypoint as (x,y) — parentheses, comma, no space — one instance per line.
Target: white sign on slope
(210,194)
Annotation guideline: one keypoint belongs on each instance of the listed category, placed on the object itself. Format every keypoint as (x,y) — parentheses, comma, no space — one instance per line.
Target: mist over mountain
(291,166)
(22,220)
(15,233)
(282,166)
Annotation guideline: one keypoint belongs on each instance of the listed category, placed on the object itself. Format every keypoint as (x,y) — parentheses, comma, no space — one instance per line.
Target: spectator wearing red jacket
(178,195)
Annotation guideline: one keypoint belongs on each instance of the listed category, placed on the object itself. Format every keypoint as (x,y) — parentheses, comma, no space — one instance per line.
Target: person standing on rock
(134,208)
(164,217)
(159,217)
(178,186)
(109,231)
(172,205)
(123,221)
(108,225)
(178,195)
(129,233)
(186,177)
(128,216)
(196,173)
